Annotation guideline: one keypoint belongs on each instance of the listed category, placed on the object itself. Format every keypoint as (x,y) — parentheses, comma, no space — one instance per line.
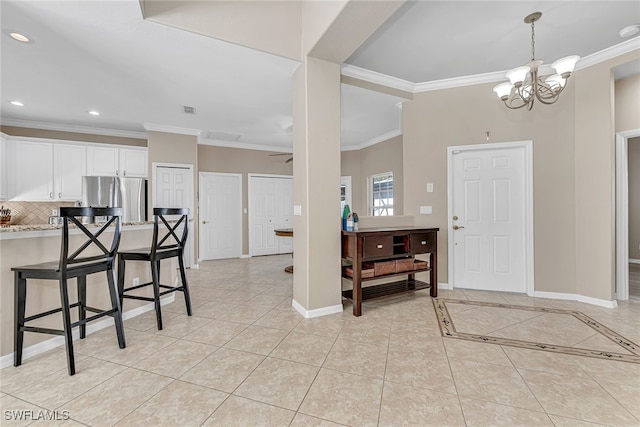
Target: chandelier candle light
(525,85)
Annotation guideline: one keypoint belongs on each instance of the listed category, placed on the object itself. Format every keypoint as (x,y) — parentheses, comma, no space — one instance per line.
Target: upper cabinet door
(102,161)
(69,165)
(133,163)
(31,176)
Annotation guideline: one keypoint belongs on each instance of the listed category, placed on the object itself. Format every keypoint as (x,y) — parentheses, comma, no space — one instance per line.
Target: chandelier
(525,85)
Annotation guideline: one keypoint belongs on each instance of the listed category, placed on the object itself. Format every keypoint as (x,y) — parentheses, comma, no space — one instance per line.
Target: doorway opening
(627,266)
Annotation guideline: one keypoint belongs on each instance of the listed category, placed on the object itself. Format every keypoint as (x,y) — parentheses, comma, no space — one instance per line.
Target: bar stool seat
(167,242)
(90,257)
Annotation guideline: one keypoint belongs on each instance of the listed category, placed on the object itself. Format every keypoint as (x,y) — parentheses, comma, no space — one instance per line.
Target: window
(381,194)
(345,193)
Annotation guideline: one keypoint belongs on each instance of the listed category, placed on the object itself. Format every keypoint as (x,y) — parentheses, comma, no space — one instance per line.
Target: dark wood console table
(388,252)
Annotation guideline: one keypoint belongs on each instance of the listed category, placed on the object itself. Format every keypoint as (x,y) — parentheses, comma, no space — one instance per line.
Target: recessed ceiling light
(19,37)
(17,103)
(629,31)
(94,113)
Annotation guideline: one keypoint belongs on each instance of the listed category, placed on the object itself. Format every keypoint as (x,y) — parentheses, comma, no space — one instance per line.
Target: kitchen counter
(44,230)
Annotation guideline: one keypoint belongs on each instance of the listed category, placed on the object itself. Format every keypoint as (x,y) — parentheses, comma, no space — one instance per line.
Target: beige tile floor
(246,358)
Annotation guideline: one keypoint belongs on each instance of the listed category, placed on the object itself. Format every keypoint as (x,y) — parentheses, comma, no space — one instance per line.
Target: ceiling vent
(221,136)
(188,110)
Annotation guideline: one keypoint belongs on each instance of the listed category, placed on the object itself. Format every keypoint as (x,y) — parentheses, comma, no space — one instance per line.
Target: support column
(316,188)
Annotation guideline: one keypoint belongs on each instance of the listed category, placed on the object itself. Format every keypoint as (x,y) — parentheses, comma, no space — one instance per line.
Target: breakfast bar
(32,244)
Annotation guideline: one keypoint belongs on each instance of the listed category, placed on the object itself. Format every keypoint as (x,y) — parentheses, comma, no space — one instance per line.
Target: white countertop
(45,230)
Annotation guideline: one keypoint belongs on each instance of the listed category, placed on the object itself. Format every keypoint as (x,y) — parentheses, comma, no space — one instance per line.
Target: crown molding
(244,145)
(377,78)
(454,82)
(171,129)
(373,141)
(497,76)
(609,53)
(73,128)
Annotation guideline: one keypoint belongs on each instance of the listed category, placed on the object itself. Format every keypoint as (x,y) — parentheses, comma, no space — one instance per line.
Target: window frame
(371,198)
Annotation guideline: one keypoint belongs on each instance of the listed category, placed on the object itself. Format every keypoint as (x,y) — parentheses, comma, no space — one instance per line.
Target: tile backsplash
(32,213)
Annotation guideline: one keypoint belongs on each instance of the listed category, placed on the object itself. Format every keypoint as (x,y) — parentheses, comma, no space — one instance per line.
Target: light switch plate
(426,210)
(297,210)
(429,187)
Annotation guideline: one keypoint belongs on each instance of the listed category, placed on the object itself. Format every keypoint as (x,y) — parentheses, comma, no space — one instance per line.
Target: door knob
(205,222)
(456,227)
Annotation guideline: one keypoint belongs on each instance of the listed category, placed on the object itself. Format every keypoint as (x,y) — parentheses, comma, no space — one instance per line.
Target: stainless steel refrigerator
(130,194)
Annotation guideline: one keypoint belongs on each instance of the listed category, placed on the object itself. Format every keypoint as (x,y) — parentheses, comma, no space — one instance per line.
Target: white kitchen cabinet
(69,166)
(114,161)
(102,161)
(133,163)
(42,171)
(30,171)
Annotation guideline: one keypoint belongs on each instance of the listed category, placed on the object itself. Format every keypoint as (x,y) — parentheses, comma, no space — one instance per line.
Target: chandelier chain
(533,41)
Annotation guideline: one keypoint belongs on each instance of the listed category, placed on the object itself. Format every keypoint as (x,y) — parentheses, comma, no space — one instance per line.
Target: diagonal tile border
(447,329)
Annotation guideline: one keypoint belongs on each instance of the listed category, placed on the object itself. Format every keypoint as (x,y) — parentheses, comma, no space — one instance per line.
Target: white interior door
(270,207)
(220,215)
(173,188)
(489,218)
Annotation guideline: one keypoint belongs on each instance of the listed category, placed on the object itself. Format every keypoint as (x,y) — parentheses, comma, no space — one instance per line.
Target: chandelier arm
(509,103)
(522,94)
(546,94)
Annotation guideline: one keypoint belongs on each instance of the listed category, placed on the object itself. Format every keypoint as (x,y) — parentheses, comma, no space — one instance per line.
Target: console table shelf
(388,244)
(388,289)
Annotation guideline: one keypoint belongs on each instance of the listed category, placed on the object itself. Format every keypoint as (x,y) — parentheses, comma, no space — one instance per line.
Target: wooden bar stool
(90,257)
(167,242)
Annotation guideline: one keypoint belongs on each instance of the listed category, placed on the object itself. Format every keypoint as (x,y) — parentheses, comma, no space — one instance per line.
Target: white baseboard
(598,302)
(555,295)
(41,347)
(634,261)
(444,285)
(576,297)
(245,256)
(308,314)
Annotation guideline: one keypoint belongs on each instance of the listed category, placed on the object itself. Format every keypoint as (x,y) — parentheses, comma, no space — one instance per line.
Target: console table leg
(433,277)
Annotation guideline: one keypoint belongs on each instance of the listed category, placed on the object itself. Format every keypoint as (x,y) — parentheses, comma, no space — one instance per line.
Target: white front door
(489,215)
(173,188)
(220,215)
(270,208)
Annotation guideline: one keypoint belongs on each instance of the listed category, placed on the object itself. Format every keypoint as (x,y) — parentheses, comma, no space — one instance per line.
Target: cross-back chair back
(166,231)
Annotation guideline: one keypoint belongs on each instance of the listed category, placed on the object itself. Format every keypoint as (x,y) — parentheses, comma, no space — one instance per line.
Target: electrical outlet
(426,210)
(54,212)
(136,281)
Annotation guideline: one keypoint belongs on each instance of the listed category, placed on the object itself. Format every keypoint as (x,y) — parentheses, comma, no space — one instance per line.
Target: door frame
(256,175)
(192,210)
(527,147)
(622,212)
(239,208)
